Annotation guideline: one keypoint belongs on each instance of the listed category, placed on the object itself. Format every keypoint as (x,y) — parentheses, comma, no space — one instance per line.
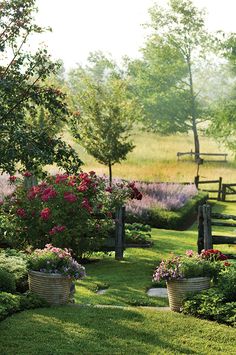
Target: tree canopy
(24,93)
(165,78)
(105,110)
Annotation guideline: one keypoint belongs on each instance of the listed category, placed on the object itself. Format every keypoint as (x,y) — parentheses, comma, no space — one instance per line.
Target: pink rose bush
(67,211)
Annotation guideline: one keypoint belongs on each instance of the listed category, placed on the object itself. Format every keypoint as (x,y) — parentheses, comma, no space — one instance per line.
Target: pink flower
(12,178)
(27,174)
(57,229)
(70,197)
(33,192)
(85,204)
(45,213)
(61,178)
(48,193)
(83,176)
(189,253)
(21,212)
(82,187)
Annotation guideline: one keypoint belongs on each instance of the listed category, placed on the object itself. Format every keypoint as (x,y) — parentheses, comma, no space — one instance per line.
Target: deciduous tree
(24,93)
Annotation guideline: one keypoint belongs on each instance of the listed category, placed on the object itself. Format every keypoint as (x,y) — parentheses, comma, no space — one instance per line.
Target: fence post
(120,233)
(196,181)
(220,189)
(200,241)
(30,181)
(207,227)
(223,197)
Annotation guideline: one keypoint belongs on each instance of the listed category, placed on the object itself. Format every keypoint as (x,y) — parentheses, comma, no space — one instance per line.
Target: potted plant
(51,272)
(188,274)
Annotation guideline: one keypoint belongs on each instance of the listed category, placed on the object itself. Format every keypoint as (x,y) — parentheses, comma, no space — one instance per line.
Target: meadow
(154,159)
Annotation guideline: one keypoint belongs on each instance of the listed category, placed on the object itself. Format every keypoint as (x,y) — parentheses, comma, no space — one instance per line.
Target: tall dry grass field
(154,159)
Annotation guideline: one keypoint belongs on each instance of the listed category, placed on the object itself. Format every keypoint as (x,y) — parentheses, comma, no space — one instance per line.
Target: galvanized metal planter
(54,288)
(178,289)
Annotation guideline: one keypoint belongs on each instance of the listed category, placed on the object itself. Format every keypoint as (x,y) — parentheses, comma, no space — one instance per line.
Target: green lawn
(128,280)
(88,330)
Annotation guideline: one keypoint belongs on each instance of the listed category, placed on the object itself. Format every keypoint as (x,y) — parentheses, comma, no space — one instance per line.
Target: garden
(98,220)
(106,291)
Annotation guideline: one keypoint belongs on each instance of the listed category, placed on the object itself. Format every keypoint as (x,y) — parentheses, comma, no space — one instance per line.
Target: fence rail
(218,191)
(199,155)
(206,239)
(228,189)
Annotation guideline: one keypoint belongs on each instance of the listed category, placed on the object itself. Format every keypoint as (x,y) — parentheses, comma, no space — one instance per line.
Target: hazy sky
(113,26)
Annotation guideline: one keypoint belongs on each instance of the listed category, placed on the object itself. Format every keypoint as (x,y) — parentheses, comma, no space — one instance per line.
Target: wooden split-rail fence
(201,155)
(207,238)
(220,191)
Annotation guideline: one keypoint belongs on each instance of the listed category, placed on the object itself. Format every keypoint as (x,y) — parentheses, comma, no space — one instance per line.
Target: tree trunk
(193,109)
(110,173)
(196,139)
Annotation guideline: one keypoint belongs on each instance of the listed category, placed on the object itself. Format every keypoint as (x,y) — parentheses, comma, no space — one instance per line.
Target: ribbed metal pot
(178,289)
(54,288)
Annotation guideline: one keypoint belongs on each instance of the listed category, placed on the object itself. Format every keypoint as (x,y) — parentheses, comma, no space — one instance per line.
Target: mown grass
(89,330)
(127,281)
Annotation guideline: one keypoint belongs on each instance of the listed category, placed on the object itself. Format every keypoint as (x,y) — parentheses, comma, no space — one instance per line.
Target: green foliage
(10,304)
(165,78)
(177,220)
(137,233)
(217,303)
(105,112)
(16,263)
(223,125)
(7,281)
(227,283)
(24,94)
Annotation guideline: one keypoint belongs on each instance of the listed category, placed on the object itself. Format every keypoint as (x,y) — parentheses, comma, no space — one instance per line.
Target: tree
(24,95)
(105,112)
(165,79)
(223,123)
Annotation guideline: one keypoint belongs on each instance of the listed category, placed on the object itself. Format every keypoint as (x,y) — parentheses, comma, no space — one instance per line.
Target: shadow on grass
(88,330)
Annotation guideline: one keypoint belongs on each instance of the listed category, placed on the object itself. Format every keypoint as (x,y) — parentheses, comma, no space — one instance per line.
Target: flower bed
(169,206)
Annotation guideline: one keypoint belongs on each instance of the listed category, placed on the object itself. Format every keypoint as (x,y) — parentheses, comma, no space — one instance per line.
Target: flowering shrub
(67,211)
(57,261)
(190,265)
(169,197)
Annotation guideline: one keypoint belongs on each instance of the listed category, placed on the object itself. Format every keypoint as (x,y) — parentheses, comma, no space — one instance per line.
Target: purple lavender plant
(166,196)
